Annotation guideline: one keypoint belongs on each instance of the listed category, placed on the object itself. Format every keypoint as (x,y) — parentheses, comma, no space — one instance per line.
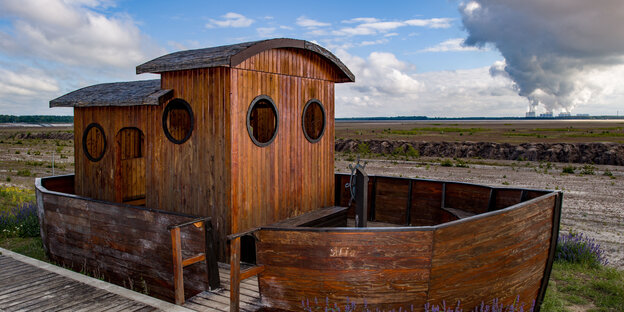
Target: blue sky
(409,57)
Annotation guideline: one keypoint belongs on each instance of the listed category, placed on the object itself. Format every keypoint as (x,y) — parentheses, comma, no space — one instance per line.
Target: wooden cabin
(242,133)
(237,142)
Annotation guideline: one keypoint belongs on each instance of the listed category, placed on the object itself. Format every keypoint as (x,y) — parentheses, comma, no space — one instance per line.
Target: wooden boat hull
(504,251)
(502,254)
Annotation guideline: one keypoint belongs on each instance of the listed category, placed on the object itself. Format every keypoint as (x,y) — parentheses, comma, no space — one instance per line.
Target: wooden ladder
(236,275)
(208,255)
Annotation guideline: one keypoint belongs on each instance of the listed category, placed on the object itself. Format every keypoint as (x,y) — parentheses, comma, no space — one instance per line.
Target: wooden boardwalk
(27,284)
(219,300)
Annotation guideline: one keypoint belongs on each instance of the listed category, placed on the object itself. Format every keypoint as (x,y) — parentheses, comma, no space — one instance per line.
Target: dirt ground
(593,204)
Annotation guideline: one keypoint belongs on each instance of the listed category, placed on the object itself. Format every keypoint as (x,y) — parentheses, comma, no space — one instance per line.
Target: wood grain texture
(291,175)
(389,270)
(499,256)
(124,244)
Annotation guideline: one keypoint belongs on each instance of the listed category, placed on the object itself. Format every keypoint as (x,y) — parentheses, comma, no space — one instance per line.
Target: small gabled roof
(131,93)
(232,55)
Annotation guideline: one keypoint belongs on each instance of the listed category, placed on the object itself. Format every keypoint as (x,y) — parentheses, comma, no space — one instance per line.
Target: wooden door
(130,167)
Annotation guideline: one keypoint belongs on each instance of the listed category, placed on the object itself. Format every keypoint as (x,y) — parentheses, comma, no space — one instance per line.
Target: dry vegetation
(26,153)
(498,131)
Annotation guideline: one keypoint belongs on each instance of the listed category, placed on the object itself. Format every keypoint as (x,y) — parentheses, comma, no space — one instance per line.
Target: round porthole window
(313,120)
(94,142)
(262,120)
(177,121)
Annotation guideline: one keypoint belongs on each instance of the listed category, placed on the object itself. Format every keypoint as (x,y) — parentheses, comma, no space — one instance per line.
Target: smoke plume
(553,49)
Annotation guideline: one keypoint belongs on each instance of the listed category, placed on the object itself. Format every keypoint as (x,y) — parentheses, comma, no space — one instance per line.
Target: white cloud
(310,23)
(387,86)
(450,45)
(430,23)
(361,20)
(265,31)
(26,90)
(551,48)
(373,42)
(231,19)
(72,33)
(373,26)
(28,81)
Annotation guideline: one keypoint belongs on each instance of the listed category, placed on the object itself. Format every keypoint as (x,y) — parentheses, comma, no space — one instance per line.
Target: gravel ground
(592,203)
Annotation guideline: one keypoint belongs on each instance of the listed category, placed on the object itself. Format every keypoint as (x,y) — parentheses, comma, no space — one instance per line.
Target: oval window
(178,121)
(313,120)
(94,142)
(262,120)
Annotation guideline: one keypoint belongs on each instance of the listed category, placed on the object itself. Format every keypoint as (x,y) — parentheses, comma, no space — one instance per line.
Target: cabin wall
(290,176)
(97,179)
(193,177)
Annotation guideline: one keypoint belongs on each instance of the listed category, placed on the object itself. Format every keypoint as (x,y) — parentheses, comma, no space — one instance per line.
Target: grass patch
(14,196)
(578,284)
(27,246)
(442,130)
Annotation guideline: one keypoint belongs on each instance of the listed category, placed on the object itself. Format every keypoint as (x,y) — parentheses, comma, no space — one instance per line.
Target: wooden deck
(27,284)
(219,300)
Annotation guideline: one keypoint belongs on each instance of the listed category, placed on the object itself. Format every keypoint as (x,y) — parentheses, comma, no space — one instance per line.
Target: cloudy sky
(433,58)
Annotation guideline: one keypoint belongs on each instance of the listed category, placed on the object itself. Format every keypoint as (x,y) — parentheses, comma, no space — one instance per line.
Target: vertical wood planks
(290,176)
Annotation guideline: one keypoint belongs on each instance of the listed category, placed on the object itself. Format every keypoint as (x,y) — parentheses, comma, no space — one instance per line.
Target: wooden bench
(460,214)
(325,217)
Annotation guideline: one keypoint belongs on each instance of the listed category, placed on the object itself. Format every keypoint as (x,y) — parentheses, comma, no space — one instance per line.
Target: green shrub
(588,169)
(446,163)
(363,149)
(568,169)
(412,152)
(24,173)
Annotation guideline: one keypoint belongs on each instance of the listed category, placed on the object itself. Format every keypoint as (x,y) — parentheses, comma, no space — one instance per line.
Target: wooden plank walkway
(219,300)
(28,284)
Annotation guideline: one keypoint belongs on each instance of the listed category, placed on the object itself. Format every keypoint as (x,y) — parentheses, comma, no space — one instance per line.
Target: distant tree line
(36,119)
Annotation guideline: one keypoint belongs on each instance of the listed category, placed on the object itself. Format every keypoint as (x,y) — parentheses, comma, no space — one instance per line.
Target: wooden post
(234,274)
(211,258)
(178,282)
(361,197)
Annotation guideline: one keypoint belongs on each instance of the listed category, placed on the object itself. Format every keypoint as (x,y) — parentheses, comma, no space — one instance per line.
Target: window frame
(168,108)
(303,128)
(255,101)
(85,150)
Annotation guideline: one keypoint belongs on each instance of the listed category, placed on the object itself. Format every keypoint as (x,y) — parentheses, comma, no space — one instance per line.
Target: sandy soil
(592,204)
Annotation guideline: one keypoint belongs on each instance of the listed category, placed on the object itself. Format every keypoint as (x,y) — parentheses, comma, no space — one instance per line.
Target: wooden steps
(219,300)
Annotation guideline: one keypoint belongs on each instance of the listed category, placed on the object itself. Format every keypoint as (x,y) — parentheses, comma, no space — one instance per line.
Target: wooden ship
(229,158)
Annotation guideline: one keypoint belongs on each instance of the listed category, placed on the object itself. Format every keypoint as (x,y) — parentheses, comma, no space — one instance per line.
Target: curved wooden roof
(232,55)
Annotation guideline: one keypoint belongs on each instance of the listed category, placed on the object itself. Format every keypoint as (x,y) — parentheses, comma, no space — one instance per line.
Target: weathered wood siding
(386,270)
(499,255)
(125,245)
(290,176)
(102,179)
(194,177)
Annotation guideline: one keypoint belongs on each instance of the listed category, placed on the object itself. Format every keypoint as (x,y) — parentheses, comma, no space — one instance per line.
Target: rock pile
(592,153)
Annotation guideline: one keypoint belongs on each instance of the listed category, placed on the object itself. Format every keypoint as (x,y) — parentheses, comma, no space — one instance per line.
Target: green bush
(588,169)
(568,169)
(363,149)
(446,163)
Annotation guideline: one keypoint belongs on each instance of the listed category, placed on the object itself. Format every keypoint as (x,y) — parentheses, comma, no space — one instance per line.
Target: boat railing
(179,263)
(236,274)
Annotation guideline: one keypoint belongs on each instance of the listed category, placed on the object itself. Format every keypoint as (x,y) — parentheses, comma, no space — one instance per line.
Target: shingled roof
(143,92)
(232,55)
